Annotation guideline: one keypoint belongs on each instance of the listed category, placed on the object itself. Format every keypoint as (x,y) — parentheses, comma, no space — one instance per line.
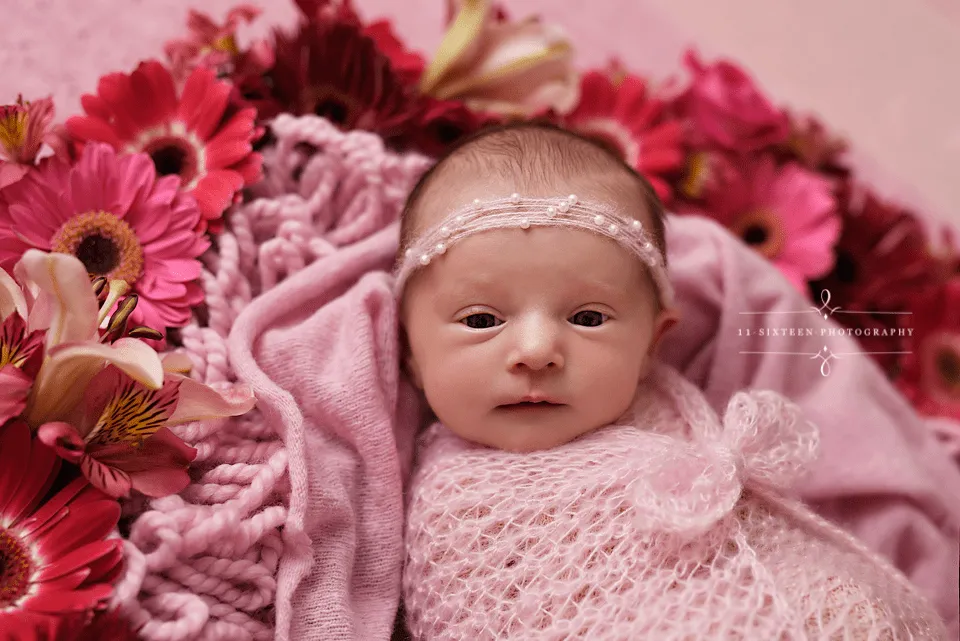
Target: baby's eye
(481,321)
(589,318)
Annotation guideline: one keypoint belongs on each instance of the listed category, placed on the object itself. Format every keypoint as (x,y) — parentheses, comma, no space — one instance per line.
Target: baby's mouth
(530,405)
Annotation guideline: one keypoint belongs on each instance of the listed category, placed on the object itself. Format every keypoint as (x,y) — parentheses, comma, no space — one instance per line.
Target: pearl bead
(598,219)
(613,229)
(441,248)
(445,231)
(551,211)
(524,223)
(564,207)
(408,253)
(425,259)
(648,245)
(637,225)
(476,201)
(515,198)
(572,198)
(459,220)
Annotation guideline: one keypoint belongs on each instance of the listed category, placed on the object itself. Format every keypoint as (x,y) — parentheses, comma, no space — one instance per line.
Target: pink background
(885,74)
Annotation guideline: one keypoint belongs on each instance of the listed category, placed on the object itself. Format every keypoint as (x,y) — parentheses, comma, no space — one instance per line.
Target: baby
(572,486)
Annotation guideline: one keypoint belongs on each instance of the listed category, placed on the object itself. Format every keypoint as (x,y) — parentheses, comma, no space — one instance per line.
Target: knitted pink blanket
(293,527)
(670,524)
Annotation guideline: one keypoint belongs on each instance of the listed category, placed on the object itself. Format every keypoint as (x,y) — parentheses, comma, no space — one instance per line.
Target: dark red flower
(810,144)
(331,69)
(882,265)
(438,125)
(930,374)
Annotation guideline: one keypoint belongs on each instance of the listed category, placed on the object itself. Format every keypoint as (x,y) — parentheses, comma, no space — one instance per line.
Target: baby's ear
(662,324)
(408,364)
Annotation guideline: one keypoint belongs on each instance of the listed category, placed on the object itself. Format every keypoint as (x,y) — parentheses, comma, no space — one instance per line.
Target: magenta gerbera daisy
(122,222)
(192,135)
(54,561)
(616,109)
(787,214)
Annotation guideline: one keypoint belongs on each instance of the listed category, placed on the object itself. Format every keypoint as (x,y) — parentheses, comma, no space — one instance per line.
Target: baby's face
(557,315)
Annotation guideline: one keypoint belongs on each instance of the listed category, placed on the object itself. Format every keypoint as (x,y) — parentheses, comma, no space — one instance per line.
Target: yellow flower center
(696,176)
(133,415)
(762,230)
(105,244)
(225,43)
(13,127)
(15,569)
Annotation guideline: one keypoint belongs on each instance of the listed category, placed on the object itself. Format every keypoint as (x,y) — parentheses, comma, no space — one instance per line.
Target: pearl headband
(523,213)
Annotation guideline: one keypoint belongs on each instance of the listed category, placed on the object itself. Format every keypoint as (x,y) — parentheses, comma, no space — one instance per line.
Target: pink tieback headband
(523,213)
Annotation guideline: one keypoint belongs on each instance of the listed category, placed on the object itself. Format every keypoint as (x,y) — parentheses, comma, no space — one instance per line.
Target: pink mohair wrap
(670,524)
(293,527)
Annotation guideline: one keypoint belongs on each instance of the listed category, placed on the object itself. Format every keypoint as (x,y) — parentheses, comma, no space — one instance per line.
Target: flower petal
(73,601)
(200,402)
(11,298)
(76,559)
(459,42)
(82,525)
(27,470)
(68,370)
(68,307)
(106,478)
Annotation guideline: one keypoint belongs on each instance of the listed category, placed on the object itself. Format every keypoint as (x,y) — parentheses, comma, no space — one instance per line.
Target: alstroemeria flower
(14,387)
(64,306)
(515,69)
(122,440)
(24,127)
(209,44)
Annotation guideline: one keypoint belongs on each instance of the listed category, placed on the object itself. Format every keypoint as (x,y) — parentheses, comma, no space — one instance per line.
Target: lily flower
(107,406)
(516,69)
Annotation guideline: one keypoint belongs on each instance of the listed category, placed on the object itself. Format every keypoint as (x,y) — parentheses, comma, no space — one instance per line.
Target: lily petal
(11,298)
(67,307)
(459,43)
(200,402)
(68,370)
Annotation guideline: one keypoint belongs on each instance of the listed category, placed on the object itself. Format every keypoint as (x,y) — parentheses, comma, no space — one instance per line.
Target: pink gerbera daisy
(787,214)
(616,110)
(119,219)
(54,562)
(194,135)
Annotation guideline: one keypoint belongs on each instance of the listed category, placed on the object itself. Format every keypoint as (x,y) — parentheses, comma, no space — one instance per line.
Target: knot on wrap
(686,487)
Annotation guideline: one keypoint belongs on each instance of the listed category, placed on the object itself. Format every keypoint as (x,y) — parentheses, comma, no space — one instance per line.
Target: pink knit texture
(204,564)
(293,527)
(670,524)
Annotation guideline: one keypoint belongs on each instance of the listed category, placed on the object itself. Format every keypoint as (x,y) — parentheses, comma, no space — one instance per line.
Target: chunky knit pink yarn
(203,564)
(671,524)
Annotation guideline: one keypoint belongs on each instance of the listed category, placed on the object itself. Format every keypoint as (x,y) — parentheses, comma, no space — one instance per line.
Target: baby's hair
(531,154)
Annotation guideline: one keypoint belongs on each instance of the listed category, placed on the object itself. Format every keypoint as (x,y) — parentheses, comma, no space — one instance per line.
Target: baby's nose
(537,347)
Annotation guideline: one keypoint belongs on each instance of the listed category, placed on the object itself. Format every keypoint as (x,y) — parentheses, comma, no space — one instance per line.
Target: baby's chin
(523,438)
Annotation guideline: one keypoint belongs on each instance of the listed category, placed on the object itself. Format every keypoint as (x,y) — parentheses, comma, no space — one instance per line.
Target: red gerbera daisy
(331,69)
(930,375)
(54,561)
(187,135)
(616,110)
(882,266)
